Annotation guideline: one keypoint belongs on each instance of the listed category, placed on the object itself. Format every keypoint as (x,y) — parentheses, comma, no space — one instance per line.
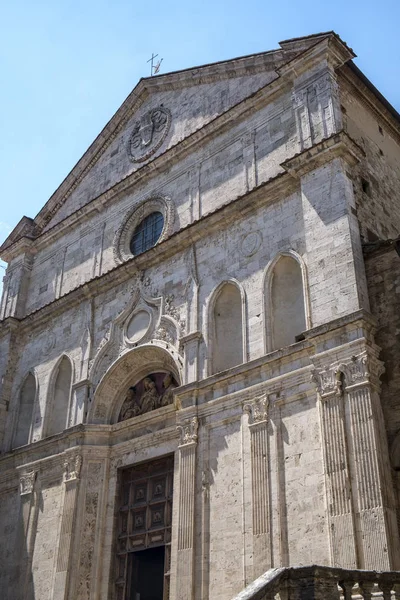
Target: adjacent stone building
(199,367)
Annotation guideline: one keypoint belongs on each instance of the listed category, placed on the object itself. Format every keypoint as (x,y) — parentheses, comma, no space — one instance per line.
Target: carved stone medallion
(250,243)
(148,134)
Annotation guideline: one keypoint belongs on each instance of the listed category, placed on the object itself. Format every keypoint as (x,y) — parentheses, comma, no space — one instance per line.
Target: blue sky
(66,66)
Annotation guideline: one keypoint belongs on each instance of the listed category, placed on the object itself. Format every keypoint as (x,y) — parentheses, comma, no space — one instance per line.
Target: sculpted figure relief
(168,394)
(149,399)
(152,392)
(130,407)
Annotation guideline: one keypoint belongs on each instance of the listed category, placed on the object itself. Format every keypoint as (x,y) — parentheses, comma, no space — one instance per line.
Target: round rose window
(147,233)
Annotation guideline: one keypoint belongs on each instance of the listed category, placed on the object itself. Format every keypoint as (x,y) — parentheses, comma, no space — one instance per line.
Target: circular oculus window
(147,225)
(147,233)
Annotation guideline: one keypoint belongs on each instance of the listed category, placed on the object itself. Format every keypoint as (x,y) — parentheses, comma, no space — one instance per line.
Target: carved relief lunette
(258,411)
(187,484)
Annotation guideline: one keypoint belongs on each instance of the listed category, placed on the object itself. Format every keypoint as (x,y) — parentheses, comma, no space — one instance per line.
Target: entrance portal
(144,531)
(147,574)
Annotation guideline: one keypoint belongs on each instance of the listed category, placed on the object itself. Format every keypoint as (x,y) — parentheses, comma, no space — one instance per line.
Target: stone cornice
(282,184)
(214,127)
(371,98)
(331,48)
(164,161)
(338,145)
(362,321)
(176,80)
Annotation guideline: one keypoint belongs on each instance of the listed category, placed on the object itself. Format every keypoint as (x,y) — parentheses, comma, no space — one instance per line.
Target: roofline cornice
(274,59)
(363,89)
(217,126)
(169,81)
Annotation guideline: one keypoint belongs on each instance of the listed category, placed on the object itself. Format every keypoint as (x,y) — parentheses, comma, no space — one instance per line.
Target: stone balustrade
(322,583)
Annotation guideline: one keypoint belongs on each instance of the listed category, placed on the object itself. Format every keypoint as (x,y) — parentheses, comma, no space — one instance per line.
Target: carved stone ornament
(148,134)
(152,392)
(26,482)
(123,236)
(172,311)
(258,409)
(329,381)
(72,468)
(188,431)
(359,370)
(250,243)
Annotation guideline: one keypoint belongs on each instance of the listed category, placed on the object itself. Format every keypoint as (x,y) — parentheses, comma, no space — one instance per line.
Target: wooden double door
(144,531)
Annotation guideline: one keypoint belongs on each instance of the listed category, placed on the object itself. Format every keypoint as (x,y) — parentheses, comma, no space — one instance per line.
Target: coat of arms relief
(148,133)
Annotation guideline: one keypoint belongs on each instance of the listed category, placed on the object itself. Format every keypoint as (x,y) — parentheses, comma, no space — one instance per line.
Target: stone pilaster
(85,584)
(249,160)
(260,475)
(302,116)
(72,467)
(80,396)
(194,192)
(360,491)
(190,344)
(337,476)
(26,542)
(187,482)
(373,489)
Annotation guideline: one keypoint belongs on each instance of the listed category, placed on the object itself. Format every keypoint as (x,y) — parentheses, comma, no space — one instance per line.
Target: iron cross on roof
(155,67)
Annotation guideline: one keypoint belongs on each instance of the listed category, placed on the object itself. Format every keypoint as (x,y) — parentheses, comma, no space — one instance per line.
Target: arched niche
(59,397)
(287,310)
(26,403)
(127,371)
(226,327)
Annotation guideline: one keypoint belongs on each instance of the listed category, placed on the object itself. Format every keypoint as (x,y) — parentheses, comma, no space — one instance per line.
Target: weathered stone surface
(280,453)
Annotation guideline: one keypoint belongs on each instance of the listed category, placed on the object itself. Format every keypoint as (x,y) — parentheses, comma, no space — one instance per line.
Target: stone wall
(279,459)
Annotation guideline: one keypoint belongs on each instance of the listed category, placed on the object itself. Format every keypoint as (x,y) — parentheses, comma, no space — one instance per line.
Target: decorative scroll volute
(27,482)
(188,431)
(258,410)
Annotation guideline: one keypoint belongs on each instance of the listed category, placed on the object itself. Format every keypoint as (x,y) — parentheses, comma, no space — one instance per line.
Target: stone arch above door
(130,368)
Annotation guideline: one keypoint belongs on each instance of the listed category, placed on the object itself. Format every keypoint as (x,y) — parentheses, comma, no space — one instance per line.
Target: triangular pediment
(160,113)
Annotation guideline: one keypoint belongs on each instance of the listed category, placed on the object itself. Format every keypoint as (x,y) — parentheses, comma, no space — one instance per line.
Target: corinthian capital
(258,409)
(72,468)
(329,381)
(188,431)
(26,482)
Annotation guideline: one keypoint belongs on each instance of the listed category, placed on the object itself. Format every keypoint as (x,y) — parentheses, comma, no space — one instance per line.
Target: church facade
(196,380)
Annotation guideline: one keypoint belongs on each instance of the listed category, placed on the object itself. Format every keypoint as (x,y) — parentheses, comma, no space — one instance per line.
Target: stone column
(186,517)
(260,474)
(377,533)
(341,522)
(72,468)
